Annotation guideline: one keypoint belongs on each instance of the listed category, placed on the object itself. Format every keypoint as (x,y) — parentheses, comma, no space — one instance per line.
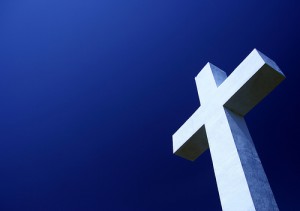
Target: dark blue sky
(92,91)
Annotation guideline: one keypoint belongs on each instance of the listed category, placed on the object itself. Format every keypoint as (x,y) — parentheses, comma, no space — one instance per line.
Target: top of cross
(246,86)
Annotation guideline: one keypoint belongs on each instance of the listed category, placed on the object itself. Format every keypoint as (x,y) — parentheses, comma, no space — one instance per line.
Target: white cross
(219,124)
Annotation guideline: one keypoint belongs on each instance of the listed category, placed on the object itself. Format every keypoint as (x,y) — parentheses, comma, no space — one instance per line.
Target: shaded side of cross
(219,124)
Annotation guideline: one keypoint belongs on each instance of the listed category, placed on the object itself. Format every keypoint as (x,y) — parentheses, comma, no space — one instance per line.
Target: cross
(219,124)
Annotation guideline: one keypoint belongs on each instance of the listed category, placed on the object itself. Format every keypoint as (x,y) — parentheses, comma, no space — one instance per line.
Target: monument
(219,124)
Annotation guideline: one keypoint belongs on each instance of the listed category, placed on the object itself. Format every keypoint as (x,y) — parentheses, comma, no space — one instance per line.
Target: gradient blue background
(92,91)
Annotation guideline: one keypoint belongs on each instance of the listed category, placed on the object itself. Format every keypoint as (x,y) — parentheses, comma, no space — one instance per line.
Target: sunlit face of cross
(219,124)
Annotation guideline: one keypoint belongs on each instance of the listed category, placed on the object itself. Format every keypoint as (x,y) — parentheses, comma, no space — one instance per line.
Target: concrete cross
(219,124)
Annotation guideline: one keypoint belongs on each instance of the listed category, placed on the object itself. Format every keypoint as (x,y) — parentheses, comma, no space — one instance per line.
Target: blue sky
(92,91)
